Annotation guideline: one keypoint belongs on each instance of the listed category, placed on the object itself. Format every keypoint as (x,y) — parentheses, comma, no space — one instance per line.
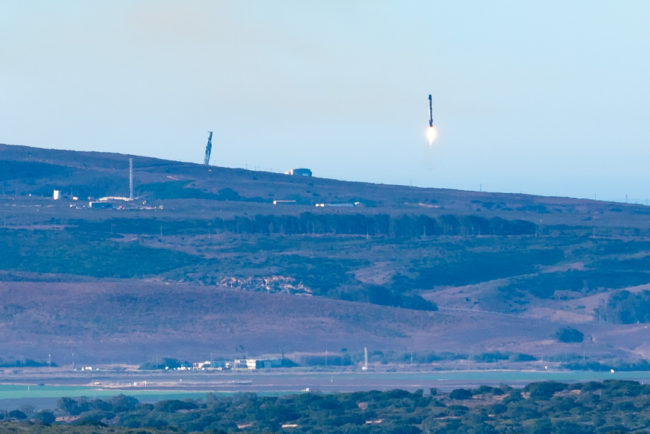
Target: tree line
(405,225)
(379,224)
(612,406)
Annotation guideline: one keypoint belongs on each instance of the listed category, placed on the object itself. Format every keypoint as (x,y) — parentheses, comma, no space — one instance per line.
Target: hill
(203,261)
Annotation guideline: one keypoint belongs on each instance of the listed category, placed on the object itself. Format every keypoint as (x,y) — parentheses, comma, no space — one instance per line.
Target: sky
(540,97)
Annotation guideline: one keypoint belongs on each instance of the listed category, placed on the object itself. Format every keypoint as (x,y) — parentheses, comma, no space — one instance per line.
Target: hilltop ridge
(92,167)
(397,267)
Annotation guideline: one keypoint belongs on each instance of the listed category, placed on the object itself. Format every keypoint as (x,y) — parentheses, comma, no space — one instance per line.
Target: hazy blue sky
(544,97)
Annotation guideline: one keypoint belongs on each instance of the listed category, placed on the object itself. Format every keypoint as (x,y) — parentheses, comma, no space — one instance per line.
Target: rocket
(432,133)
(208,150)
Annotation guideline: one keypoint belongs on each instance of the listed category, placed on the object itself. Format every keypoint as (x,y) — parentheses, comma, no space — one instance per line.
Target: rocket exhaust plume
(432,132)
(432,135)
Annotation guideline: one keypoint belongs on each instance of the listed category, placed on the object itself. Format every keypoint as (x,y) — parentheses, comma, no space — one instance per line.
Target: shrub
(460,394)
(173,405)
(45,417)
(544,390)
(17,414)
(569,335)
(121,403)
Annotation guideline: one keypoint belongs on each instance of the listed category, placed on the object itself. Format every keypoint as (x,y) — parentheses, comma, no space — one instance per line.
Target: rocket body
(432,133)
(208,150)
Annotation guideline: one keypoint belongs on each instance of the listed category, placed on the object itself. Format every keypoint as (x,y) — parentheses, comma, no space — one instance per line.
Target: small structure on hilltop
(250,364)
(337,205)
(299,172)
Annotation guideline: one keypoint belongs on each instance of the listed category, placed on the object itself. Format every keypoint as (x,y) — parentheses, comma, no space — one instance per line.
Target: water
(46,397)
(284,382)
(20,392)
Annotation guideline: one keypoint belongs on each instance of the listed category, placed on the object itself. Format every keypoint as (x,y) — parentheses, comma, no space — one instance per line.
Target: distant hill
(203,261)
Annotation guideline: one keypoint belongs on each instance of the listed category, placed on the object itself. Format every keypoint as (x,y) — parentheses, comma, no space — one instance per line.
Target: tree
(544,389)
(45,417)
(460,394)
(121,403)
(569,335)
(17,414)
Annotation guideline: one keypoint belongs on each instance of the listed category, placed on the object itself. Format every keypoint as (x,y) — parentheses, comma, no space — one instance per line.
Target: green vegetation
(583,281)
(386,297)
(23,170)
(345,358)
(26,363)
(592,365)
(473,267)
(322,253)
(181,190)
(431,357)
(94,255)
(628,308)
(407,252)
(165,363)
(569,335)
(403,226)
(593,407)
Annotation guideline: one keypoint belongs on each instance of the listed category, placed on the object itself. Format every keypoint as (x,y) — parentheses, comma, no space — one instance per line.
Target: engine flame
(432,135)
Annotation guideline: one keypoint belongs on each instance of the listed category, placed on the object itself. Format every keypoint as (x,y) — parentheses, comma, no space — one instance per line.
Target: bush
(522,357)
(460,394)
(121,403)
(166,363)
(627,308)
(604,407)
(491,357)
(45,417)
(569,335)
(173,405)
(544,390)
(17,414)
(386,297)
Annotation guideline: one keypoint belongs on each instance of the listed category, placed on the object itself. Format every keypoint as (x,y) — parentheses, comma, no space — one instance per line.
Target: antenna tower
(208,150)
(130,178)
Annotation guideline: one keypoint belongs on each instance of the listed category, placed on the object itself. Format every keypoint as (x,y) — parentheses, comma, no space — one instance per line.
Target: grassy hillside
(458,258)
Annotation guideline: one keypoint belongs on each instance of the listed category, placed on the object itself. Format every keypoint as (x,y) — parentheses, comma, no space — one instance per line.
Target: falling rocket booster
(432,133)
